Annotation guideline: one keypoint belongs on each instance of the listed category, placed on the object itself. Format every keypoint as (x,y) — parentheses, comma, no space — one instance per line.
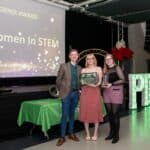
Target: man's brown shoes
(60,142)
(73,137)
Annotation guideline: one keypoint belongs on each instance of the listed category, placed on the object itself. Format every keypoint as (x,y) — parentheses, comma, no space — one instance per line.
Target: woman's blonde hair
(105,65)
(93,57)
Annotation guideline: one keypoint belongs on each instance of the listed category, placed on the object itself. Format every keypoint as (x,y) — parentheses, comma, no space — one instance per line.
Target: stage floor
(134,135)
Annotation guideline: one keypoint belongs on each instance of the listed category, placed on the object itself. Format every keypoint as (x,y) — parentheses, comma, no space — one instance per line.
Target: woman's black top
(115,75)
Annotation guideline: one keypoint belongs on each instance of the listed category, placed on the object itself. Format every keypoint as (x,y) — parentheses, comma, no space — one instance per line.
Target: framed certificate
(89,78)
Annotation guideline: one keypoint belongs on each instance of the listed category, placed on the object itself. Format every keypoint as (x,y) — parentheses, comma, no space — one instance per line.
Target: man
(68,86)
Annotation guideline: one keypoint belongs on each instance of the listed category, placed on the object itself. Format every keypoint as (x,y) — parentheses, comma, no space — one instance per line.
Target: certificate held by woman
(89,78)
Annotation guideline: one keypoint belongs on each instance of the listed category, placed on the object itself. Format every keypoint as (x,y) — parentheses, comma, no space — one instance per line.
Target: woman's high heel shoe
(88,138)
(94,138)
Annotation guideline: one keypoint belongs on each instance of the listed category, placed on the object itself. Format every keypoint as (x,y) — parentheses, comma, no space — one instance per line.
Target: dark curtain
(84,32)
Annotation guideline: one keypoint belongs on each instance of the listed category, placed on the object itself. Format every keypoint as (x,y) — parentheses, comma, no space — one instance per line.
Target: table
(44,112)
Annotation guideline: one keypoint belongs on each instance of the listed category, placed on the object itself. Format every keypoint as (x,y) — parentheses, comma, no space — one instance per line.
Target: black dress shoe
(115,140)
(110,136)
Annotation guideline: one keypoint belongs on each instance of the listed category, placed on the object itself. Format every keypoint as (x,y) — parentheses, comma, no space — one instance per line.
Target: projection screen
(32,38)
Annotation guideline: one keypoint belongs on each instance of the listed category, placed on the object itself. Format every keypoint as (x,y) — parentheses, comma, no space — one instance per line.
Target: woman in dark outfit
(113,95)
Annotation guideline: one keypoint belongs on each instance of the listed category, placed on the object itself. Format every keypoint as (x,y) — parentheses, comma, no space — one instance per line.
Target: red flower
(122,53)
(117,53)
(127,53)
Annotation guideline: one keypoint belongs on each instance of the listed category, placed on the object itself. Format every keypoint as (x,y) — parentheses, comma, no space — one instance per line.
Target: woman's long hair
(94,58)
(105,69)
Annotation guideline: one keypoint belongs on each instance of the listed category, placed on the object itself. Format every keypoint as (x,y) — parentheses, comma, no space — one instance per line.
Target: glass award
(89,78)
(105,80)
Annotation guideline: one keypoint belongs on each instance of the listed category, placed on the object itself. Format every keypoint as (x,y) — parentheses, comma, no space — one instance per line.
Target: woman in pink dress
(90,101)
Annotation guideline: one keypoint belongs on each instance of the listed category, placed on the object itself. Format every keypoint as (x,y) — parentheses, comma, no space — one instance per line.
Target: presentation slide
(32,38)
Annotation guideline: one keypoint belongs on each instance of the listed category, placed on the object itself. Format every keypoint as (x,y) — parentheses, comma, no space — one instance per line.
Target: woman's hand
(92,85)
(108,85)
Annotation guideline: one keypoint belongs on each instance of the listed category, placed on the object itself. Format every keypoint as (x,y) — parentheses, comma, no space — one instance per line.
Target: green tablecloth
(44,112)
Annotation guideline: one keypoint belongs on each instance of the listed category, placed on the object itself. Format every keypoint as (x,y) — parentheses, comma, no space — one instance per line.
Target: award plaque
(105,81)
(89,78)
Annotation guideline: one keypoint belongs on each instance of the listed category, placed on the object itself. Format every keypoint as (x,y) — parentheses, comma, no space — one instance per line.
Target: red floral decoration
(120,53)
